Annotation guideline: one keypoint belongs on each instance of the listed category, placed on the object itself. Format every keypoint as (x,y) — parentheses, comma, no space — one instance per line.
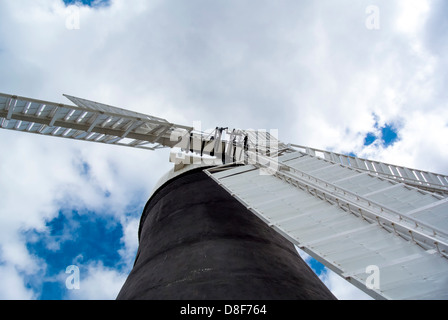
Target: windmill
(222,223)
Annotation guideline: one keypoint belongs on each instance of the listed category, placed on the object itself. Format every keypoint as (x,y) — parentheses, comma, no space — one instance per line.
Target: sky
(364,77)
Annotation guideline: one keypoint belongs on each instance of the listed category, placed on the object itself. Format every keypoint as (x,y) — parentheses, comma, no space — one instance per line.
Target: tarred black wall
(198,242)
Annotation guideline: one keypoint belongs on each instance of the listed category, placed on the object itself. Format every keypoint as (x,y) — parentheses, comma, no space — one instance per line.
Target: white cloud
(312,70)
(419,144)
(130,241)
